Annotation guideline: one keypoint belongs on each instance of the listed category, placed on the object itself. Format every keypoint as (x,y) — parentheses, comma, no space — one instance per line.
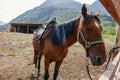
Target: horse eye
(88,29)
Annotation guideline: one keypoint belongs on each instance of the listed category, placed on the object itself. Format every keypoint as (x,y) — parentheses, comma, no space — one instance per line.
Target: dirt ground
(16,57)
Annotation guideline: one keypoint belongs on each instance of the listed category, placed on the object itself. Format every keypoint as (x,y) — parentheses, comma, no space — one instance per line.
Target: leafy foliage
(109,31)
(107,21)
(108,37)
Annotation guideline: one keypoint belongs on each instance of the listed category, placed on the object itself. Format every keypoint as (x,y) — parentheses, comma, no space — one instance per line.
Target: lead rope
(87,68)
(87,64)
(110,54)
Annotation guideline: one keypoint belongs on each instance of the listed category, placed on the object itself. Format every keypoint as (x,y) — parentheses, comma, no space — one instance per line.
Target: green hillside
(63,10)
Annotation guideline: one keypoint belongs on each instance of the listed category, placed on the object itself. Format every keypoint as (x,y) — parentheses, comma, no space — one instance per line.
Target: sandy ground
(16,57)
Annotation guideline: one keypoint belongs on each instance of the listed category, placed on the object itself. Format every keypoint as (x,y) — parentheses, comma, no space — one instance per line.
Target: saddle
(42,32)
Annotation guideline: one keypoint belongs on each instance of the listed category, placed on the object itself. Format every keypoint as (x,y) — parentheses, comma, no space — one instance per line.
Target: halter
(87,43)
(87,46)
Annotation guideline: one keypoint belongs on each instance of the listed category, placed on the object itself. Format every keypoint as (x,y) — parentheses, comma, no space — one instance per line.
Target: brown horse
(86,30)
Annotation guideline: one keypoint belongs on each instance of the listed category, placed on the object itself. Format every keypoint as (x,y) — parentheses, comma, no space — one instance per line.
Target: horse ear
(84,10)
(97,14)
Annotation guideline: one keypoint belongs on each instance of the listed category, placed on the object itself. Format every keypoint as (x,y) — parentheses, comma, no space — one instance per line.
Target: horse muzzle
(97,60)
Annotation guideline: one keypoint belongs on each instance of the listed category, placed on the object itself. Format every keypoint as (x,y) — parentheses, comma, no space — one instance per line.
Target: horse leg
(57,66)
(39,62)
(46,75)
(35,58)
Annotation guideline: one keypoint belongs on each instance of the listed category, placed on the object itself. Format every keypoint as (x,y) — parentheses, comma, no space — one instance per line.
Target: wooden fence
(113,70)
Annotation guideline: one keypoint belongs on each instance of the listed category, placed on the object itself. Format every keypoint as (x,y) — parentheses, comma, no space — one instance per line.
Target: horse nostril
(99,59)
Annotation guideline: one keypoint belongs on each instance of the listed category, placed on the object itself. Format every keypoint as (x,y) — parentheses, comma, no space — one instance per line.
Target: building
(23,27)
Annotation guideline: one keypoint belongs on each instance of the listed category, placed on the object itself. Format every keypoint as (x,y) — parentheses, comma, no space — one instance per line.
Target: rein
(86,47)
(110,54)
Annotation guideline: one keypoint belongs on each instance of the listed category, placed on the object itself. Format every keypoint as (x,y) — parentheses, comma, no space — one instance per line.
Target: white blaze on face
(96,24)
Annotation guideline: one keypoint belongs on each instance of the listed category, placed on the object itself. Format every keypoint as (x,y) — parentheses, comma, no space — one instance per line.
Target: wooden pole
(27,29)
(18,28)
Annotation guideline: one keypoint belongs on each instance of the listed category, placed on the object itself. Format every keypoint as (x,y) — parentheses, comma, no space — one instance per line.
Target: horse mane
(61,32)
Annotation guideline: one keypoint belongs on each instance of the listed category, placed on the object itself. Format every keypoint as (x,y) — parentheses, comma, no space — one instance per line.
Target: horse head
(89,35)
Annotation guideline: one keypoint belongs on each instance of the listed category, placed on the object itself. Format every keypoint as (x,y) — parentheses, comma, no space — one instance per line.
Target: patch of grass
(109,37)
(12,54)
(109,30)
(3,49)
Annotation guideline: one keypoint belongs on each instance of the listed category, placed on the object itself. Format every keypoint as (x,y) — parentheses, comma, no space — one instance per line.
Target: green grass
(109,37)
(12,54)
(3,49)
(109,30)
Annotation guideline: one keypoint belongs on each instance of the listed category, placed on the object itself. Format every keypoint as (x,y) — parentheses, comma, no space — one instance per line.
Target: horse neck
(65,34)
(73,38)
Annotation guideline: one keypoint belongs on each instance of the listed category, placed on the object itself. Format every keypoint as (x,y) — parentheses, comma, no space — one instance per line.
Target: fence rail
(113,70)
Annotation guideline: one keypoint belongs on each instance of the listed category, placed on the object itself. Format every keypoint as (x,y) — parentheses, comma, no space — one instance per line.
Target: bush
(109,30)
(108,37)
